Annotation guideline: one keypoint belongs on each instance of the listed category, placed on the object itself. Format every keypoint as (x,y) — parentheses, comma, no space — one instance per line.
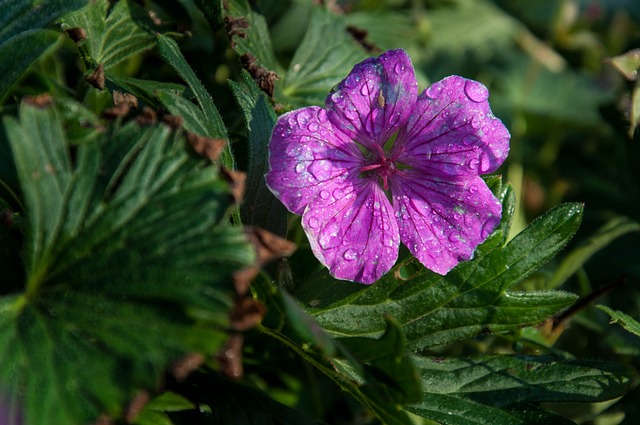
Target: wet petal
(375,99)
(307,155)
(442,222)
(453,131)
(353,232)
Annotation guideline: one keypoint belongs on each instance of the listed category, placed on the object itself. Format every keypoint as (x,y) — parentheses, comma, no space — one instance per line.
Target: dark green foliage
(120,245)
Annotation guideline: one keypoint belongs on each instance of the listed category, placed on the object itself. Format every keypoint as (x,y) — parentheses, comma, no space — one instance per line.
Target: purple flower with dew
(381,164)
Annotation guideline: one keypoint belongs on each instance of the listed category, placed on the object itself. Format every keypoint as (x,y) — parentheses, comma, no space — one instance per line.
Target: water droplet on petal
(473,189)
(476,91)
(338,193)
(312,127)
(434,91)
(350,254)
(313,222)
(473,163)
(300,168)
(400,68)
(364,90)
(324,194)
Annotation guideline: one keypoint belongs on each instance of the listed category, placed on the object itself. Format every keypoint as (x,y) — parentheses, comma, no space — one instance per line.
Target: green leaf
(115,31)
(626,321)
(251,34)
(324,57)
(379,374)
(260,206)
(128,257)
(627,64)
(155,412)
(473,298)
(147,90)
(21,40)
(170,52)
(500,390)
(470,25)
(20,16)
(20,52)
(612,230)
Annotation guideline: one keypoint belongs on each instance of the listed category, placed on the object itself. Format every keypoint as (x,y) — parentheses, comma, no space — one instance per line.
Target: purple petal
(453,132)
(375,99)
(305,151)
(352,231)
(443,221)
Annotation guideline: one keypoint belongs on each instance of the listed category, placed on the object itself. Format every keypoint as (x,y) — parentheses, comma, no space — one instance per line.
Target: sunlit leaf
(114,31)
(324,57)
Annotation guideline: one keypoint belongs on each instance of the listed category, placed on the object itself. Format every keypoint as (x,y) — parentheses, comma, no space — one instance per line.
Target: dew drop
(476,121)
(338,193)
(313,126)
(473,189)
(470,140)
(324,194)
(473,163)
(350,254)
(400,68)
(476,91)
(434,91)
(313,222)
(364,90)
(299,168)
(454,237)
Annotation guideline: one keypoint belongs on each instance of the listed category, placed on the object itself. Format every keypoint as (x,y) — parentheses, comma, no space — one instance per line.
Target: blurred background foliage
(571,110)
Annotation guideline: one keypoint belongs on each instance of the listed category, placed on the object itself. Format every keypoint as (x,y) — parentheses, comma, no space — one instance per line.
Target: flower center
(382,166)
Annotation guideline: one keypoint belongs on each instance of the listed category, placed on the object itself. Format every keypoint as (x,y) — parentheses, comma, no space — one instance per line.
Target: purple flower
(381,164)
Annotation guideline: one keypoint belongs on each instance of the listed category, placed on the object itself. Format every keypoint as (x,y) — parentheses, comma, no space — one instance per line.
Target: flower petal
(375,99)
(442,222)
(452,131)
(353,232)
(304,152)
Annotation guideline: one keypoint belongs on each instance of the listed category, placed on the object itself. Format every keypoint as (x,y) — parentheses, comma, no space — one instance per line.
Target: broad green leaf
(128,258)
(472,299)
(115,31)
(260,206)
(470,25)
(626,321)
(324,57)
(500,390)
(21,40)
(613,229)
